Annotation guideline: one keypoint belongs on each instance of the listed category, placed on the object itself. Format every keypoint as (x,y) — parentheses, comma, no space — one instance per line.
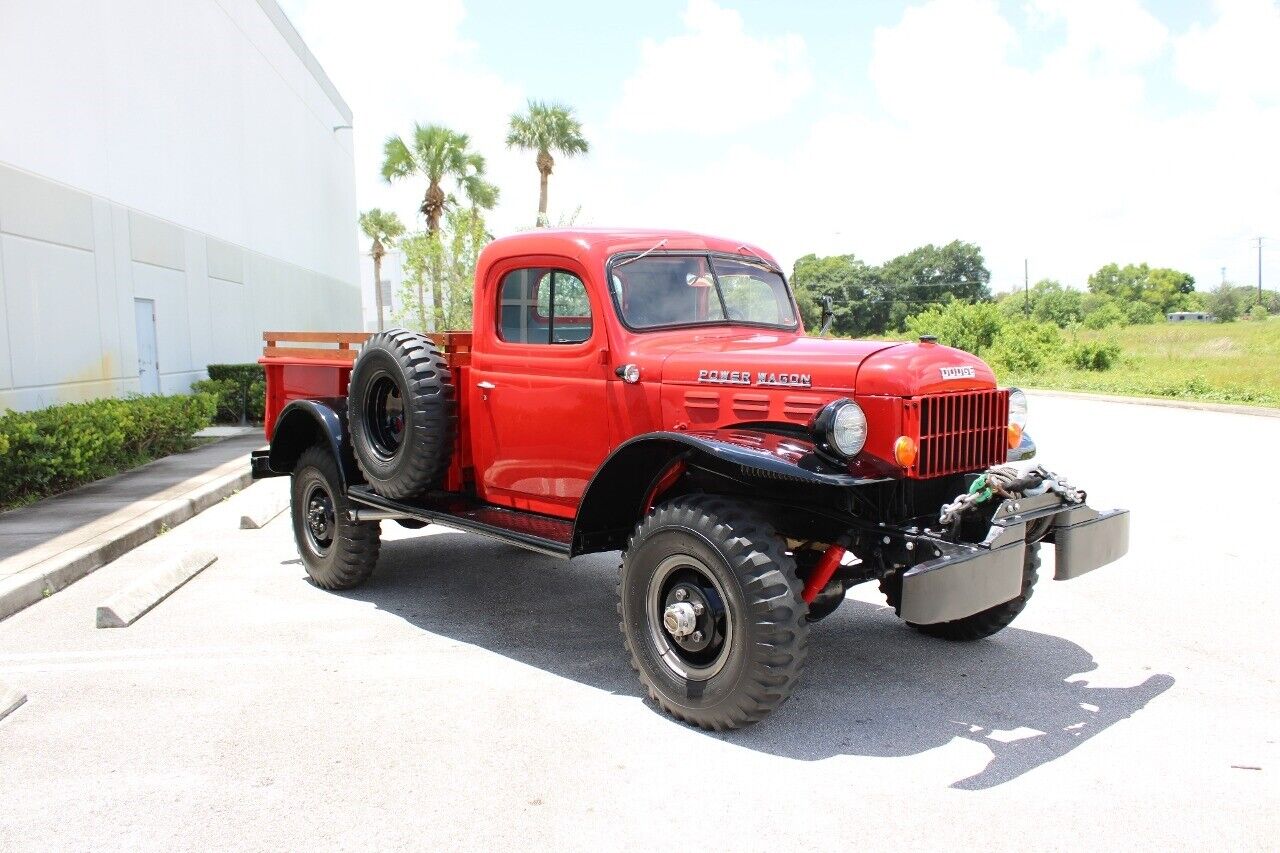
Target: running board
(546,535)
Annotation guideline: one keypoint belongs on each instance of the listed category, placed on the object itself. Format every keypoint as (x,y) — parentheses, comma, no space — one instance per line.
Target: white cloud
(397,63)
(715,57)
(1064,157)
(1238,56)
(1118,33)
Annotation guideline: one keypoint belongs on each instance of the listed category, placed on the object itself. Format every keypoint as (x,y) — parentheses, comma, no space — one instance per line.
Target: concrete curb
(27,587)
(10,699)
(264,509)
(129,604)
(1195,405)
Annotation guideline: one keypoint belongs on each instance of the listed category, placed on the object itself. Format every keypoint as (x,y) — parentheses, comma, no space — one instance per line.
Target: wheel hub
(320,518)
(689,618)
(679,619)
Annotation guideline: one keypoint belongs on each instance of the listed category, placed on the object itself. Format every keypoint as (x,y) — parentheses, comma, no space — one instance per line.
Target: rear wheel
(711,612)
(401,413)
(979,625)
(336,552)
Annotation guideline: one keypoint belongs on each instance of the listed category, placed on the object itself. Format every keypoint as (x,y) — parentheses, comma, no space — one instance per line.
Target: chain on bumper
(1005,481)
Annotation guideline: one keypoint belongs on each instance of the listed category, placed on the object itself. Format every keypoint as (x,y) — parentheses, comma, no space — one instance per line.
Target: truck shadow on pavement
(872,686)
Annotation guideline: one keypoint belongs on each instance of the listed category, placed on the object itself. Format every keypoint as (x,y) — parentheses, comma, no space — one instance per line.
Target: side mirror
(828,314)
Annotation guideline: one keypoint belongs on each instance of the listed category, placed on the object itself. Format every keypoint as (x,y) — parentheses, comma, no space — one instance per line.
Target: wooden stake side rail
(455,345)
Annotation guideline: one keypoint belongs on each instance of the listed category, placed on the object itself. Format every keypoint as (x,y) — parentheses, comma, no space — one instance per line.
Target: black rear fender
(305,423)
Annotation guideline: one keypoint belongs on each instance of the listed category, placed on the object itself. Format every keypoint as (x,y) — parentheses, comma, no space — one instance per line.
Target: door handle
(487,386)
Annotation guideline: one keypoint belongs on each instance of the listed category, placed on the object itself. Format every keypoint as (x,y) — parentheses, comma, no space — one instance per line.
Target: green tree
(1225,302)
(439,155)
(931,275)
(854,288)
(1056,304)
(1166,289)
(383,228)
(545,128)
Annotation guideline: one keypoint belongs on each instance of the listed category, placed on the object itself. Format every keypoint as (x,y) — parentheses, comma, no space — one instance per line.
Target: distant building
(1190,317)
(174,180)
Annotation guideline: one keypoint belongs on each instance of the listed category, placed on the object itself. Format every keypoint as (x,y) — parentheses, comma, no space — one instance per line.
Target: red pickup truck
(654,392)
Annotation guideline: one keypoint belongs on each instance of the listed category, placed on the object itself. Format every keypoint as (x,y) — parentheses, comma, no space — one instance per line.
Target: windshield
(682,290)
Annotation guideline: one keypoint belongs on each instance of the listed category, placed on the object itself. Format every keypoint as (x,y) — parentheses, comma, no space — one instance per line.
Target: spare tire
(400,409)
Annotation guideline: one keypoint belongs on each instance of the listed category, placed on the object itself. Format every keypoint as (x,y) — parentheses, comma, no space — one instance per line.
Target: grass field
(1220,362)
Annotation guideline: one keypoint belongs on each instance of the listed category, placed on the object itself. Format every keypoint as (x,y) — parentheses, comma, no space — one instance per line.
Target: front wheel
(336,552)
(711,612)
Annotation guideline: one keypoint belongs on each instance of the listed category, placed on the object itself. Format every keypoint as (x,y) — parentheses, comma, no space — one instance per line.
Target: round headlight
(841,428)
(1018,408)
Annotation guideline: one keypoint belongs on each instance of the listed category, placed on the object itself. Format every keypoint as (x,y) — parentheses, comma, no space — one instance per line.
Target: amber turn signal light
(904,450)
(1015,435)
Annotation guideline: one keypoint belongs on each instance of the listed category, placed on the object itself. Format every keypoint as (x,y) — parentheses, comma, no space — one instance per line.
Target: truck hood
(764,360)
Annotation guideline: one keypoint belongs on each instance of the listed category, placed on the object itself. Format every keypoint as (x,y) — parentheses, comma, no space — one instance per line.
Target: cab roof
(597,245)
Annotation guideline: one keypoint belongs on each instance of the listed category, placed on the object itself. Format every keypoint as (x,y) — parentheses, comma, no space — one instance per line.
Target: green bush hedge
(1093,355)
(50,450)
(240,390)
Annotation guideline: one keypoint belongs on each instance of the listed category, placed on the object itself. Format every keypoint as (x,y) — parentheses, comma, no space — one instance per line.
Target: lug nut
(681,594)
(696,636)
(698,608)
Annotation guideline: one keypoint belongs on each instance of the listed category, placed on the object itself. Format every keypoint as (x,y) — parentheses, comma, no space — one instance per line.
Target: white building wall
(176,150)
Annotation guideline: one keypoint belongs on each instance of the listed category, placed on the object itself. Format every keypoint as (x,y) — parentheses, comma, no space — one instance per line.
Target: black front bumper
(958,579)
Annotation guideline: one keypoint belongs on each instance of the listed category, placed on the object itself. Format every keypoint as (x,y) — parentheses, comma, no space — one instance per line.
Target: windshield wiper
(655,247)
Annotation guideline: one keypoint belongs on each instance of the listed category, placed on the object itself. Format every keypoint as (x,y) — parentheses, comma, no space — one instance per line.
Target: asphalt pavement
(475,696)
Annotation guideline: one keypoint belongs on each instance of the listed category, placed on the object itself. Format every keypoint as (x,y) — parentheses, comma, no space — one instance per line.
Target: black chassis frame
(890,524)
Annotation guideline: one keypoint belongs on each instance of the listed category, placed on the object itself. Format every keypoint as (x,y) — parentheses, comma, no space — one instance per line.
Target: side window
(540,305)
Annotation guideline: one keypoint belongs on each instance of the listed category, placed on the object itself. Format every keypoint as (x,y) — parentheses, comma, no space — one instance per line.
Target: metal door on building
(148,364)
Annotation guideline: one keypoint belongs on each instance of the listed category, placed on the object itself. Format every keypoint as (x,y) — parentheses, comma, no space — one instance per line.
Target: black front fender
(614,499)
(304,423)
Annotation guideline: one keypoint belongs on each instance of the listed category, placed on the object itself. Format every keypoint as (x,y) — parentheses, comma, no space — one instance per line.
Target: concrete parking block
(10,699)
(266,504)
(129,604)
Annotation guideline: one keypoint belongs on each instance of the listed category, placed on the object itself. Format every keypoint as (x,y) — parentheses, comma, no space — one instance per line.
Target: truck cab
(655,392)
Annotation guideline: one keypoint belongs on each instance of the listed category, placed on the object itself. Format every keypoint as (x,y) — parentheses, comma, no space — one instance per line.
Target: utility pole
(1026,287)
(1224,275)
(1259,270)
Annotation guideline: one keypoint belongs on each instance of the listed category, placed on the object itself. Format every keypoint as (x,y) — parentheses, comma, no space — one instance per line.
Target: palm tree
(383,228)
(438,154)
(546,128)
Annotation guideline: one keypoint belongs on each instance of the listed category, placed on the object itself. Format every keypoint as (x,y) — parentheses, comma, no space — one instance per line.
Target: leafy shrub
(227,399)
(1142,314)
(968,326)
(1258,312)
(50,450)
(1107,315)
(1094,355)
(1026,347)
(240,390)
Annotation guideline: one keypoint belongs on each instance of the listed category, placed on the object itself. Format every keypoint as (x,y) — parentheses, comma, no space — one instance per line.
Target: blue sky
(1069,132)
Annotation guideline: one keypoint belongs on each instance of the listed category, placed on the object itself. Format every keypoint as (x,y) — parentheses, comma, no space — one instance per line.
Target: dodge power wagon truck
(654,392)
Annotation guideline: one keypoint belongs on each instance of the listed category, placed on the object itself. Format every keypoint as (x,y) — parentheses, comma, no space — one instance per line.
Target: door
(537,405)
(144,311)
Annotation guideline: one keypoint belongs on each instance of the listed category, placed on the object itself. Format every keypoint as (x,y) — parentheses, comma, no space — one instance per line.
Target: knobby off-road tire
(400,409)
(979,625)
(336,552)
(725,556)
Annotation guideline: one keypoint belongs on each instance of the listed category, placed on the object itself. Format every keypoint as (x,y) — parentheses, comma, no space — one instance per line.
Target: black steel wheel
(400,410)
(711,613)
(336,552)
(979,625)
